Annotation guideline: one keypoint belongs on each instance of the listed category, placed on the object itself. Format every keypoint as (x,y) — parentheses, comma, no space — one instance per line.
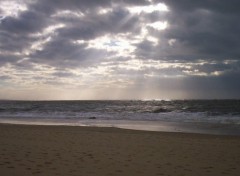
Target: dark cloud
(204,33)
(208,27)
(9,58)
(95,25)
(26,23)
(49,7)
(224,86)
(14,43)
(17,30)
(202,29)
(230,6)
(205,29)
(219,67)
(63,53)
(63,74)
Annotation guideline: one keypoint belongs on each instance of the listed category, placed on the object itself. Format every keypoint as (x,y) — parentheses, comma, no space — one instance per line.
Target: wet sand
(93,151)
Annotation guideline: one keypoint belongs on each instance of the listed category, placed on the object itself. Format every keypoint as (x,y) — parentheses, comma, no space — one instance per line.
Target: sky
(119,49)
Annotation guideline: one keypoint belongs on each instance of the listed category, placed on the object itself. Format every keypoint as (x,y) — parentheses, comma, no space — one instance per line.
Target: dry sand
(85,151)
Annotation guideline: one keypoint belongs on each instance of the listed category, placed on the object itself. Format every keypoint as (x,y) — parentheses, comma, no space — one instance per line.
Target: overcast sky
(119,49)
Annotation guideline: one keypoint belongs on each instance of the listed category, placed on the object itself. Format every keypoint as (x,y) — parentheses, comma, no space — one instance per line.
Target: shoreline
(73,150)
(158,126)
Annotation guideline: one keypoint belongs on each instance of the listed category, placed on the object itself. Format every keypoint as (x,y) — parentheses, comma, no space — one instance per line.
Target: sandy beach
(93,151)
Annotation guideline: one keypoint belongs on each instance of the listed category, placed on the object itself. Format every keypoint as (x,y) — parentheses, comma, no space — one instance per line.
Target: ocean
(203,116)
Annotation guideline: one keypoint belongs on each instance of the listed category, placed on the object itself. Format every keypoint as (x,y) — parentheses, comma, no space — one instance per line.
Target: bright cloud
(119,44)
(12,8)
(159,25)
(149,8)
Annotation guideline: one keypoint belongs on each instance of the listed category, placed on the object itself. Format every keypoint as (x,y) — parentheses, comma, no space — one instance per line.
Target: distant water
(177,111)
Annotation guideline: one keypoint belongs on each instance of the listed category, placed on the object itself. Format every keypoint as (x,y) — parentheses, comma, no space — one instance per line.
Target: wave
(211,111)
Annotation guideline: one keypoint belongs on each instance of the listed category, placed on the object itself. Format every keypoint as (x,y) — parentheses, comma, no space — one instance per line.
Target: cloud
(207,28)
(127,43)
(94,25)
(27,22)
(64,53)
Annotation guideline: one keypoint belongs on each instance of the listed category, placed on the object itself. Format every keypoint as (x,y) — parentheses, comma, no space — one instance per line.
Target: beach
(90,151)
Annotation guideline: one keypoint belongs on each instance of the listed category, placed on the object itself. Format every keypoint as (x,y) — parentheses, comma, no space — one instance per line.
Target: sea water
(221,116)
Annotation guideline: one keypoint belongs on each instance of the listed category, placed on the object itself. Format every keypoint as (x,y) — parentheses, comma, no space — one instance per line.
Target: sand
(85,151)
